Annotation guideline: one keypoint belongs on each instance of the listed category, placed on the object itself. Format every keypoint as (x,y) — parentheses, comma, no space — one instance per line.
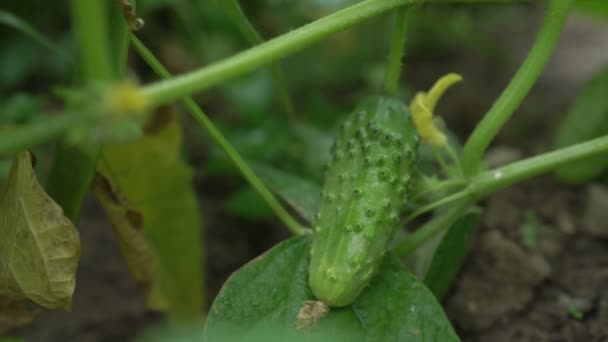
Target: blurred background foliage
(325,80)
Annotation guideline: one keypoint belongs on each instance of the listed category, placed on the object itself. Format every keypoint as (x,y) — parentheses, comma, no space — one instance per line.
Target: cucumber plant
(344,276)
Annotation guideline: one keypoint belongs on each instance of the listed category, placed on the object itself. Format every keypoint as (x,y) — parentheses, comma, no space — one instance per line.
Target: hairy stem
(488,182)
(519,87)
(166,91)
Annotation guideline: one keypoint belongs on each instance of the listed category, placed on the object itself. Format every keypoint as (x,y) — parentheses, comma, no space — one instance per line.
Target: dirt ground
(555,290)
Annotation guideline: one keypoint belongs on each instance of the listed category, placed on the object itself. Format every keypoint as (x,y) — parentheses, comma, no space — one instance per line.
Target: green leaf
(303,195)
(12,21)
(309,148)
(586,119)
(248,204)
(450,254)
(271,290)
(39,249)
(158,184)
(20,108)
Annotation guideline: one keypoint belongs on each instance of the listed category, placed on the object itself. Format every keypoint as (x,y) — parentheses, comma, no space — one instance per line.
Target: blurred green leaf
(246,203)
(586,119)
(273,288)
(251,95)
(308,149)
(14,22)
(450,254)
(39,249)
(17,60)
(301,194)
(158,184)
(260,143)
(20,108)
(597,8)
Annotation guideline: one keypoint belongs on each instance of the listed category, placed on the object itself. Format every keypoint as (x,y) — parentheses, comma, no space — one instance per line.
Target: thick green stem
(397,49)
(490,181)
(90,25)
(217,136)
(170,90)
(74,167)
(519,87)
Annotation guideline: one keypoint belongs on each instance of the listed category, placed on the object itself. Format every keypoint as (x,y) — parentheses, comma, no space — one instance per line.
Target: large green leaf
(39,249)
(270,291)
(301,194)
(586,119)
(450,254)
(158,184)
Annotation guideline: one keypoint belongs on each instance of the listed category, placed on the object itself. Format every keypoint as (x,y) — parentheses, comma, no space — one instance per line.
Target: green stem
(74,167)
(436,204)
(433,227)
(90,26)
(27,136)
(490,181)
(518,88)
(234,10)
(440,187)
(217,136)
(397,49)
(119,38)
(166,91)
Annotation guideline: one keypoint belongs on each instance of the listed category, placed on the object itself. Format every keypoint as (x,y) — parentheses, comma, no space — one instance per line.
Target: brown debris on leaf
(310,313)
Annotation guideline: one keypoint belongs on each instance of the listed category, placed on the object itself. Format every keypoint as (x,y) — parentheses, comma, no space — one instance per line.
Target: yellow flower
(125,98)
(423,105)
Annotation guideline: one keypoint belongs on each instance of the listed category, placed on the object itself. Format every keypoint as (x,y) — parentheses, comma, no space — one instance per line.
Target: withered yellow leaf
(157,183)
(127,223)
(39,248)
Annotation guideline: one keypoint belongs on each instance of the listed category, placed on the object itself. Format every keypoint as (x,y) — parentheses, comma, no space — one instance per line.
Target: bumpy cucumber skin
(366,187)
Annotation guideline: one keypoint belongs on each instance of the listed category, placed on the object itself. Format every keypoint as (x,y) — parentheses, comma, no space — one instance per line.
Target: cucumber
(366,187)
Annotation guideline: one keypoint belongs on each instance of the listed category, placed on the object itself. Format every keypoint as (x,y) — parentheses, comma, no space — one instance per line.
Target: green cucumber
(366,187)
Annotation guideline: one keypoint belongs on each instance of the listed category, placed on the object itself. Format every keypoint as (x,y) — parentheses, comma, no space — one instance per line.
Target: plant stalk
(167,91)
(397,50)
(518,88)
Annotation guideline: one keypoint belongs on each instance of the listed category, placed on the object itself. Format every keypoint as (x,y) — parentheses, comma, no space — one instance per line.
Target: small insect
(346,254)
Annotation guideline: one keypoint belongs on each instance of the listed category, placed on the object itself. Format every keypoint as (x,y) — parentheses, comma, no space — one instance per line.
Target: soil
(508,290)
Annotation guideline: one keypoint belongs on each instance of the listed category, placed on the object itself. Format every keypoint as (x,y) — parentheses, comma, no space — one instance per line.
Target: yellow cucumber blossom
(423,105)
(125,99)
